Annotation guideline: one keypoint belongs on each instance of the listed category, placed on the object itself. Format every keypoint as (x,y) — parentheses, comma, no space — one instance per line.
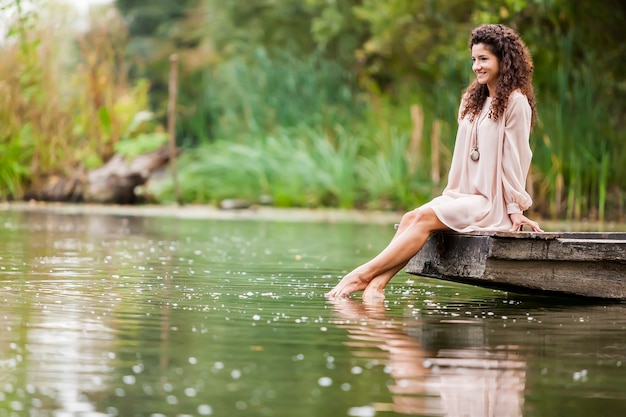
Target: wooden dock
(589,264)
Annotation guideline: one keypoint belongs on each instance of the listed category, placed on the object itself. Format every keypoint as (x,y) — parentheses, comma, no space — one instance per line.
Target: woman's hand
(519,221)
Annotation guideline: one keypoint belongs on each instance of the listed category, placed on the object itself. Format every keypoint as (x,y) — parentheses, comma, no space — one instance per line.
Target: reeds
(302,131)
(61,109)
(578,142)
(262,93)
(306,167)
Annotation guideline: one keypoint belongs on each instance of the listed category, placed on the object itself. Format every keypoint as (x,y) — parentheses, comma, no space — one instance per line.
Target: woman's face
(486,66)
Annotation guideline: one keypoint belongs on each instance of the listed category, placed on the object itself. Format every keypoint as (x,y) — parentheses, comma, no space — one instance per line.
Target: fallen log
(113,183)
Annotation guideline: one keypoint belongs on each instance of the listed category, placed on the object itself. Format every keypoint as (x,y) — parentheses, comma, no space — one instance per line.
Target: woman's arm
(516,157)
(516,154)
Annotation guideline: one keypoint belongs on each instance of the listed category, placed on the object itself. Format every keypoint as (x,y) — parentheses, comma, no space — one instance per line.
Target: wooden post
(435,139)
(171,122)
(417,119)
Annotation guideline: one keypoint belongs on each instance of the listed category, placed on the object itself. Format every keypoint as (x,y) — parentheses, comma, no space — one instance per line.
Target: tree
(157,29)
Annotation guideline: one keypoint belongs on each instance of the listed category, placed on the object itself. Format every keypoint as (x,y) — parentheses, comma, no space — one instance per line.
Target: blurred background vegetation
(307,103)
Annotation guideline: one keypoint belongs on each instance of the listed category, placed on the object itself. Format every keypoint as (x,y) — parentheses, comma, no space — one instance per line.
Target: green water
(138,316)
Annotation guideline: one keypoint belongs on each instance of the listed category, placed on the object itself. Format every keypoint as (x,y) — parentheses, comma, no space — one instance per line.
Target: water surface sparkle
(138,316)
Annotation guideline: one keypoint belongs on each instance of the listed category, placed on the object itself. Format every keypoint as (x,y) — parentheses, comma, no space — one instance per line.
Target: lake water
(153,316)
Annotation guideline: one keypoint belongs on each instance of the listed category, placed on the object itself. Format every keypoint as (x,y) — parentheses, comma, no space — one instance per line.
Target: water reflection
(57,340)
(439,368)
(130,316)
(133,316)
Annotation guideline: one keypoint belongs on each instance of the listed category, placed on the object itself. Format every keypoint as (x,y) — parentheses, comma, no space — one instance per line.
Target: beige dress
(481,194)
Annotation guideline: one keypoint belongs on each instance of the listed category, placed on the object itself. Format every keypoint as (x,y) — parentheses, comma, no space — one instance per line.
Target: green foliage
(293,86)
(402,53)
(299,171)
(65,100)
(18,94)
(304,168)
(141,136)
(238,28)
(16,154)
(264,41)
(141,144)
(268,93)
(157,29)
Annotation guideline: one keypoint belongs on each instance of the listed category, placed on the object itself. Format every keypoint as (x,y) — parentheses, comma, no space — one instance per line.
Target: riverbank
(257,213)
(267,213)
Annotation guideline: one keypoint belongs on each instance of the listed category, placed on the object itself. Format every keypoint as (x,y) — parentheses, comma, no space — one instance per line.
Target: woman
(486,182)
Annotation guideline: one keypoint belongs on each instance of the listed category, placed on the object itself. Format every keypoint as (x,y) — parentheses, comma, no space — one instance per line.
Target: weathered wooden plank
(559,249)
(585,264)
(555,235)
(601,280)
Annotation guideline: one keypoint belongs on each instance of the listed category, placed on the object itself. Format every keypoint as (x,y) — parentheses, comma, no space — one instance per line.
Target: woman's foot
(373,294)
(353,282)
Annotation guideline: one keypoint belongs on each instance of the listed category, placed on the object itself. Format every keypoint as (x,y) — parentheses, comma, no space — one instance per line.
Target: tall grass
(297,132)
(302,167)
(578,141)
(63,106)
(262,93)
(18,75)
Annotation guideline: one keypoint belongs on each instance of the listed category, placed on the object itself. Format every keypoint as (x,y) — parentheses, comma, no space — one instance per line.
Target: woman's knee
(424,218)
(410,217)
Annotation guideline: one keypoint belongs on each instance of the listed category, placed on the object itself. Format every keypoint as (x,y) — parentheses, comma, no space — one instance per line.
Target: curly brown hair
(516,69)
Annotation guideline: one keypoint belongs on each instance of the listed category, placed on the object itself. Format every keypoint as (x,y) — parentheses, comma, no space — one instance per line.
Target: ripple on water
(112,316)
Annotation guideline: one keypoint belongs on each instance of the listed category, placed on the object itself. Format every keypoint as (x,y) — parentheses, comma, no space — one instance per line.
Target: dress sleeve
(516,154)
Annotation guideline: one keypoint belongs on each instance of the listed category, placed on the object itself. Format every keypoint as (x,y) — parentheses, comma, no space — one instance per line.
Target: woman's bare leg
(405,222)
(374,289)
(412,233)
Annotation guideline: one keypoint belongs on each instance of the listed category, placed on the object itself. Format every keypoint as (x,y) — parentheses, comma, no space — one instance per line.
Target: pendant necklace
(475,154)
